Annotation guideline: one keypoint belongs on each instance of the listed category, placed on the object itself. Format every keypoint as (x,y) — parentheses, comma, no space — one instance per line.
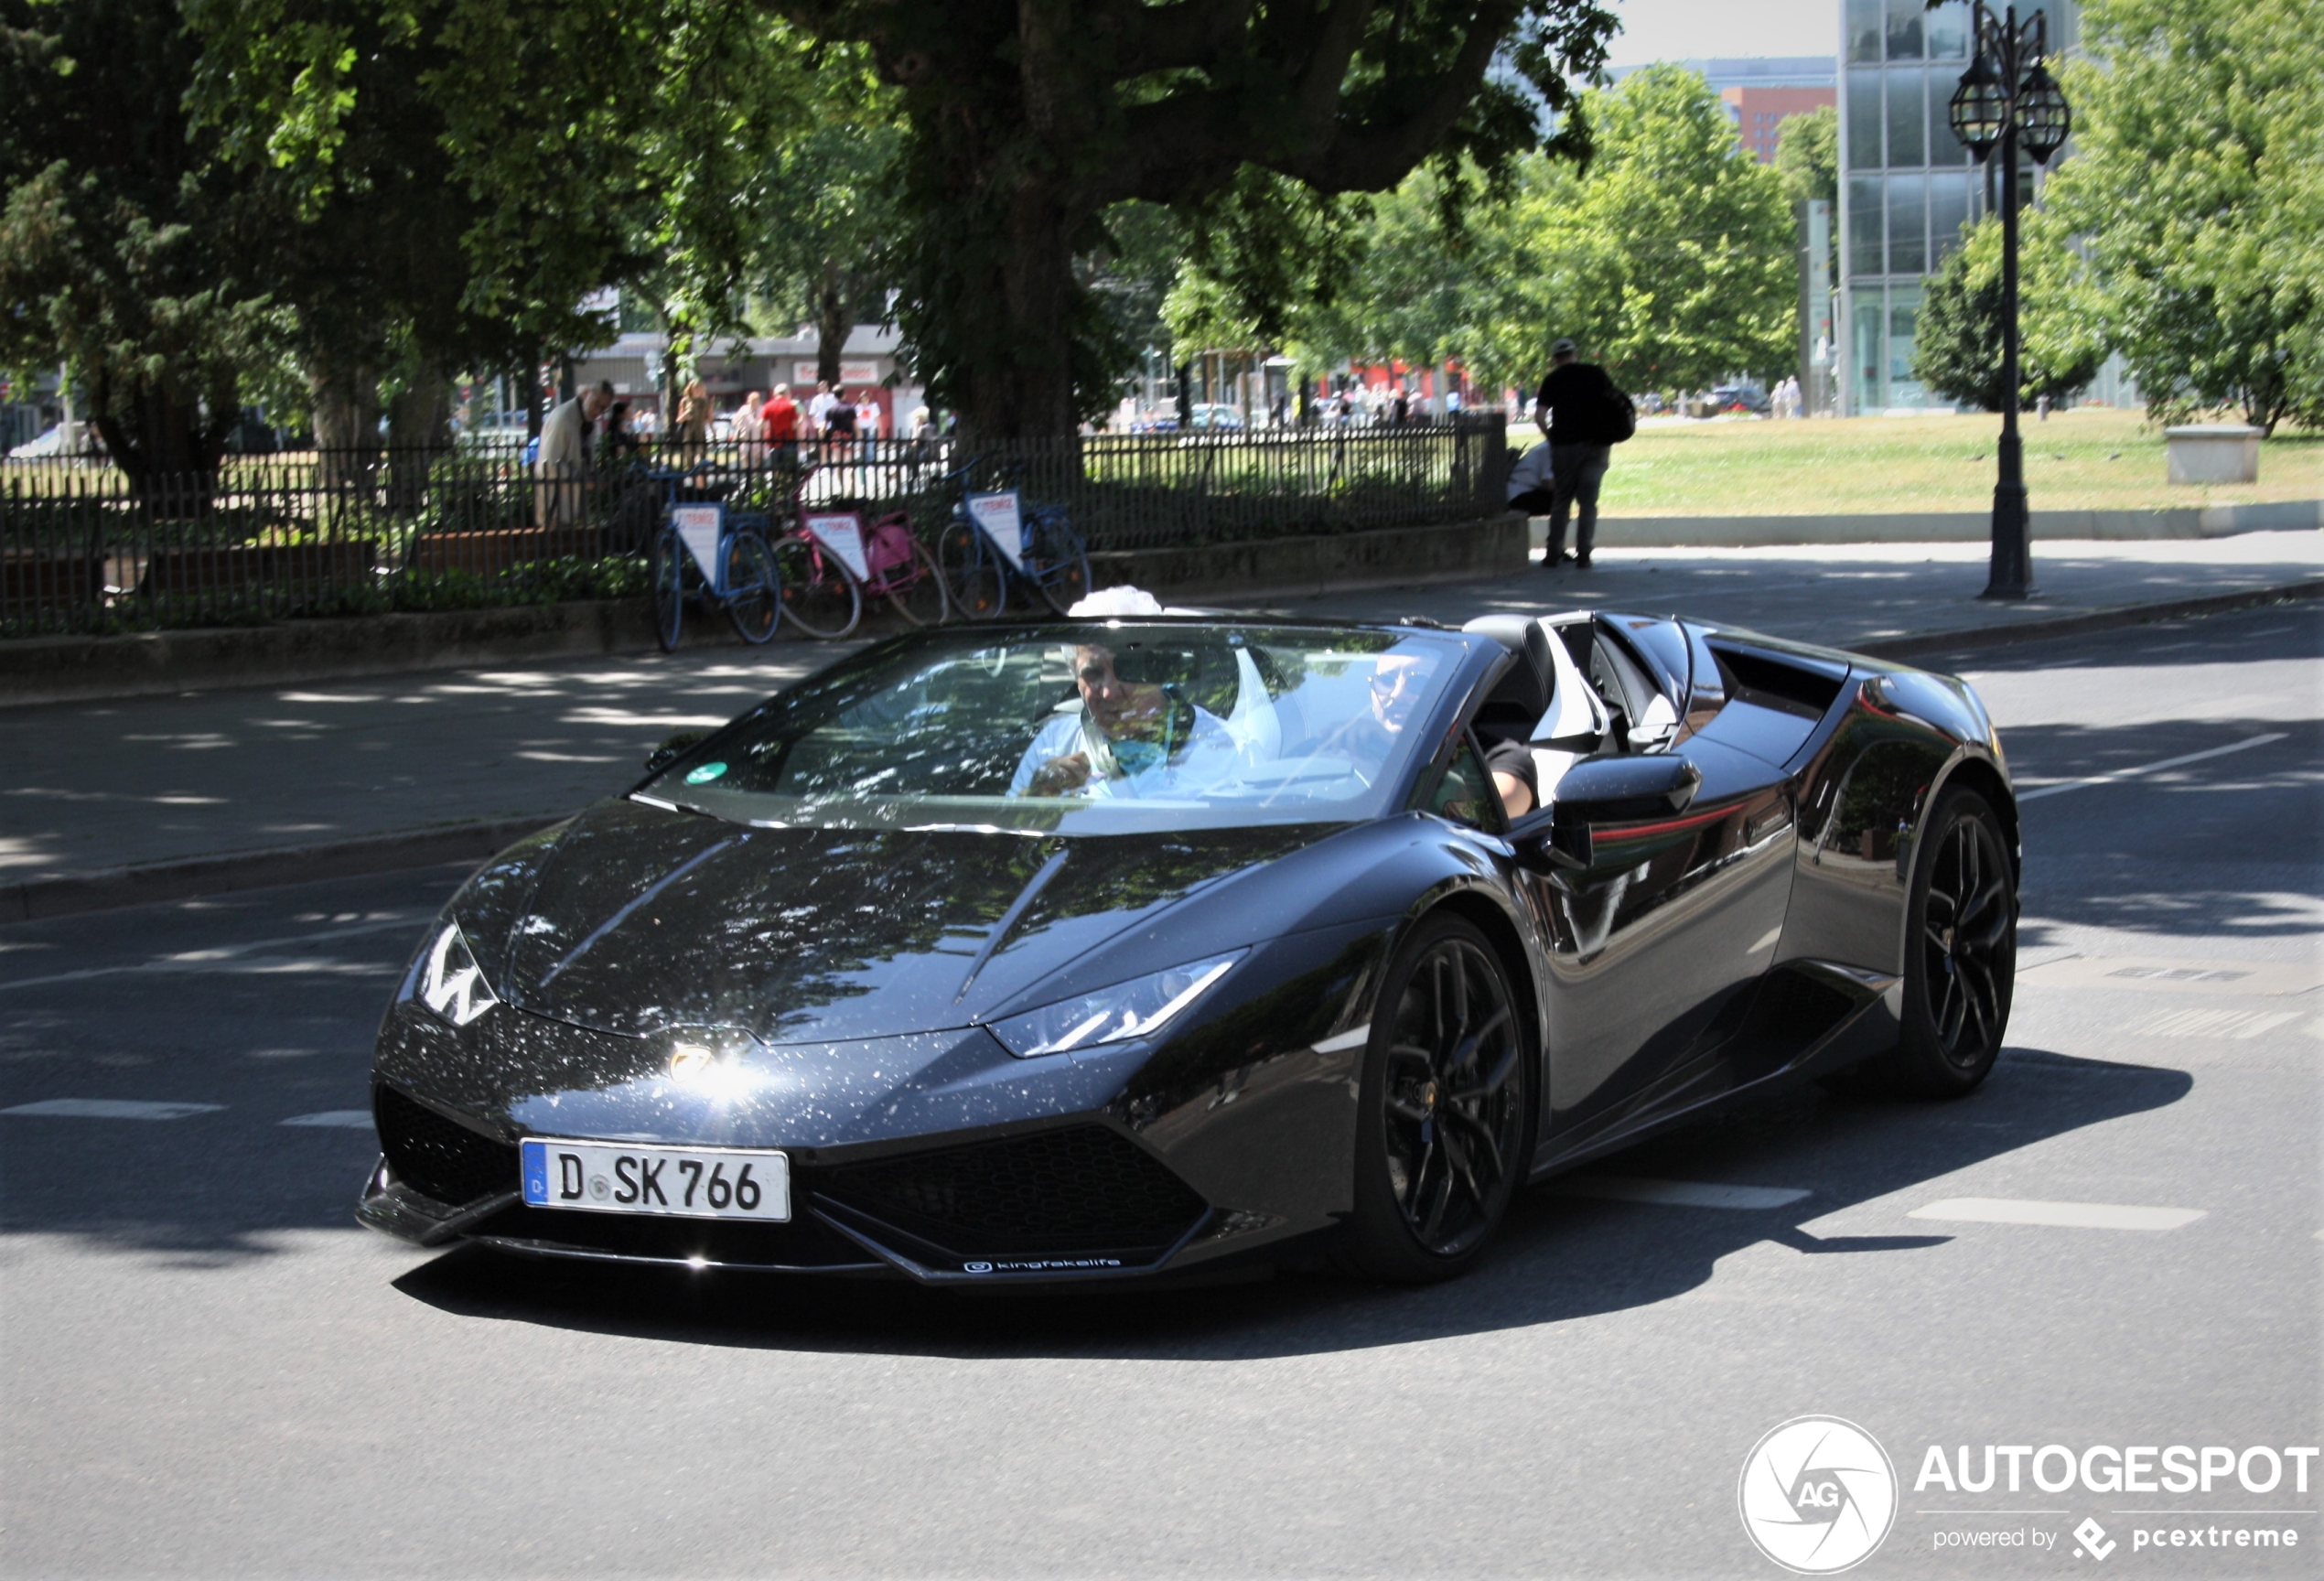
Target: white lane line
(110,1108)
(1677,1193)
(2242,1025)
(224,956)
(2114,774)
(2063,1215)
(335,1119)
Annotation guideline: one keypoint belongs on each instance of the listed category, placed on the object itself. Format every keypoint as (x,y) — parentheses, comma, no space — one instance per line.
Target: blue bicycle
(1051,560)
(719,557)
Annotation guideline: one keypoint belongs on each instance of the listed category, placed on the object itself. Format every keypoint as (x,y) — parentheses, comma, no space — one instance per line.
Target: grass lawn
(2092,460)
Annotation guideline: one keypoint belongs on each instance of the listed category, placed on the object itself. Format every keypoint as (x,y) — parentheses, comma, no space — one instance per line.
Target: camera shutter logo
(1818,1495)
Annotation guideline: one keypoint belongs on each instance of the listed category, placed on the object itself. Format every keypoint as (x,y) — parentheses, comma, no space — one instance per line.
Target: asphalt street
(206,1369)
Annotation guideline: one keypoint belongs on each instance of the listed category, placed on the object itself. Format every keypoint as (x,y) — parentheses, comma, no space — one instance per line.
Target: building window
(1948,212)
(1867,243)
(1947,31)
(1906,119)
(1904,29)
(1871,391)
(1904,311)
(1863,120)
(1908,224)
(1866,18)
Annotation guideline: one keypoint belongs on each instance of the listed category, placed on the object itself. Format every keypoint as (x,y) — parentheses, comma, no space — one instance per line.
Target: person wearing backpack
(1582,416)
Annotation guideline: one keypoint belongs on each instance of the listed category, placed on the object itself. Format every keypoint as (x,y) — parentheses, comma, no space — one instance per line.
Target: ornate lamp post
(2009,99)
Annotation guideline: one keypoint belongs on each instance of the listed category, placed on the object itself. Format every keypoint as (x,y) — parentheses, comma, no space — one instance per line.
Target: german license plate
(678,1182)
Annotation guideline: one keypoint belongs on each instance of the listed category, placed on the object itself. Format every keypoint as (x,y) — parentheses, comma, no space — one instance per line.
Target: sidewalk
(230,789)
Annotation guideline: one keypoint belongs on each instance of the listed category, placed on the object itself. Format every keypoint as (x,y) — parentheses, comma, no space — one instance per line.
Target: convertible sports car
(1117,947)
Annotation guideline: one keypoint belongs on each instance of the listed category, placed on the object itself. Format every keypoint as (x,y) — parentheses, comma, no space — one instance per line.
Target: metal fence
(83,549)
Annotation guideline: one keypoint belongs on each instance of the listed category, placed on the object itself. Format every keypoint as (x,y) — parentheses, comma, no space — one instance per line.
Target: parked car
(1217,415)
(1744,397)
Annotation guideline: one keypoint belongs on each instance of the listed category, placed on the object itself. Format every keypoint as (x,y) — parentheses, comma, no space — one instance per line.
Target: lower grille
(440,1158)
(1083,1187)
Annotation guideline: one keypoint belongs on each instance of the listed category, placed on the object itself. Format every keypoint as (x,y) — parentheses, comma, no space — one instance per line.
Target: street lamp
(2008,100)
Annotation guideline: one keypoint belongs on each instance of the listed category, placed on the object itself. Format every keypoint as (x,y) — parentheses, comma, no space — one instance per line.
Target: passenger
(1131,737)
(1398,679)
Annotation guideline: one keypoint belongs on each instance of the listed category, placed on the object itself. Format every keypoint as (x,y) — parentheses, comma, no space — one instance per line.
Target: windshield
(1113,727)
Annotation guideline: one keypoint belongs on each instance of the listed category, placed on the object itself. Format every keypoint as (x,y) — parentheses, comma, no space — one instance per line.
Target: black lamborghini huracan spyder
(1107,948)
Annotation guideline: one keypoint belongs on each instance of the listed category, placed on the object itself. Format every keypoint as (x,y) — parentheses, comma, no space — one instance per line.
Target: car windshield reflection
(1091,728)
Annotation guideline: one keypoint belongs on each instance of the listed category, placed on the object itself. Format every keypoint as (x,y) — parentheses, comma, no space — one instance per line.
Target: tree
(824,241)
(1957,341)
(1029,122)
(1669,258)
(125,242)
(1807,156)
(2194,181)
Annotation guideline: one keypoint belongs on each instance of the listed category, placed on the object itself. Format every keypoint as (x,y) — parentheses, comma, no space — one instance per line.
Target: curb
(1916,643)
(107,888)
(68,894)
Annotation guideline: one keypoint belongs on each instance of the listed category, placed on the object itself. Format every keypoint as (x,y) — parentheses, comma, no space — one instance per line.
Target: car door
(1657,943)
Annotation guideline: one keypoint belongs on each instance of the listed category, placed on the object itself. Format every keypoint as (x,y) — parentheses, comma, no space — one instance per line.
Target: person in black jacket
(1570,411)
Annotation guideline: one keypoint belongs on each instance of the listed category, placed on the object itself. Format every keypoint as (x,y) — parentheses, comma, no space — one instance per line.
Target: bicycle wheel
(754,589)
(1058,564)
(669,569)
(916,591)
(818,596)
(972,571)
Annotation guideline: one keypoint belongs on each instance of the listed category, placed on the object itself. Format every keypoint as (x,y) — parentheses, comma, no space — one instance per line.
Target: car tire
(1445,1114)
(1961,954)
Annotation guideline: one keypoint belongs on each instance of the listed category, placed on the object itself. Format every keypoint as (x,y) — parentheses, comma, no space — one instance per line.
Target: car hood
(643,920)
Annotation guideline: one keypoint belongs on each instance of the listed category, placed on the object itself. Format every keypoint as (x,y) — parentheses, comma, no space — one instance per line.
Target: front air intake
(437,1157)
(1085,1186)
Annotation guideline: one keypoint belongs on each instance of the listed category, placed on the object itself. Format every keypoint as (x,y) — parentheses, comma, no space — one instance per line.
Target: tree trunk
(1031,393)
(157,434)
(835,316)
(418,431)
(345,398)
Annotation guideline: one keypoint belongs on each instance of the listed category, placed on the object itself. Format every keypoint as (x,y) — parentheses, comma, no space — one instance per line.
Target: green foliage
(1957,341)
(1669,256)
(2194,180)
(126,248)
(830,210)
(1807,156)
(1027,123)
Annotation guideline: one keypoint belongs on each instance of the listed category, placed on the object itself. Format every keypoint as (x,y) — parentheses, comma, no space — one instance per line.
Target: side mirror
(1602,790)
(673,748)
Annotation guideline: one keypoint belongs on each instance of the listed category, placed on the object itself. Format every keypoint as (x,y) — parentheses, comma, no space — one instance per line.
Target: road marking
(110,1108)
(2063,1215)
(2114,774)
(336,1119)
(225,955)
(2150,973)
(1678,1193)
(2236,1024)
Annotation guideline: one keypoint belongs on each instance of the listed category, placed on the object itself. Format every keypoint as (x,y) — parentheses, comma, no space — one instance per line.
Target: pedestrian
(747,429)
(1582,416)
(868,424)
(779,424)
(839,427)
(691,427)
(819,407)
(563,460)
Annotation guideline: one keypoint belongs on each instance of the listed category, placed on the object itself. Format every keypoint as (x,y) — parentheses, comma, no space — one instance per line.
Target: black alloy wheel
(1445,1125)
(1960,951)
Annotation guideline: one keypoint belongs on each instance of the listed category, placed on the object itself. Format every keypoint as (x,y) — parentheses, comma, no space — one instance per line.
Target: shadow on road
(1562,1258)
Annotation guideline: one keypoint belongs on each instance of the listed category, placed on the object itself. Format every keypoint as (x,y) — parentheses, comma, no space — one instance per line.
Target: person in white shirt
(1128,739)
(564,459)
(819,406)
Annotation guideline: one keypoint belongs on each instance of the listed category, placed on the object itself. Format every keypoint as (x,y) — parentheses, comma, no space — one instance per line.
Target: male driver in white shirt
(1131,737)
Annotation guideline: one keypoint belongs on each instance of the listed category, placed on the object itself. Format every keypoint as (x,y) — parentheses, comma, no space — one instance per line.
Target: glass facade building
(1907,185)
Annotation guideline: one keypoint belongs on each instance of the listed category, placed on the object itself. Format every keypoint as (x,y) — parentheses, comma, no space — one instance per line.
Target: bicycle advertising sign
(697,527)
(841,532)
(1003,521)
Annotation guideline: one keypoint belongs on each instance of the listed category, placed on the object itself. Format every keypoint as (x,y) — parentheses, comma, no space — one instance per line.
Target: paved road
(207,1371)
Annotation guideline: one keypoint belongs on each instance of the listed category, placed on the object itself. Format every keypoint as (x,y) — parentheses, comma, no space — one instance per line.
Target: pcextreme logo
(1818,1495)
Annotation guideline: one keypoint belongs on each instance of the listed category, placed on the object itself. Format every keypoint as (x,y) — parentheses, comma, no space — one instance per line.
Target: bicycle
(820,595)
(724,556)
(1050,556)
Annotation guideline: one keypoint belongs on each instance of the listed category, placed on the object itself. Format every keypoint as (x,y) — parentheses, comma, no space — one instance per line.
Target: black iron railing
(85,548)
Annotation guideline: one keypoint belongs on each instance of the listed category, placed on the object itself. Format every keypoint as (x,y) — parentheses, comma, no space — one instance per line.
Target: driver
(1130,738)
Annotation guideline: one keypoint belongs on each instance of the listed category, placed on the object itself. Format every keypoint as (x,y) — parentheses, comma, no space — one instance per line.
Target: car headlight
(451,984)
(1138,1008)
